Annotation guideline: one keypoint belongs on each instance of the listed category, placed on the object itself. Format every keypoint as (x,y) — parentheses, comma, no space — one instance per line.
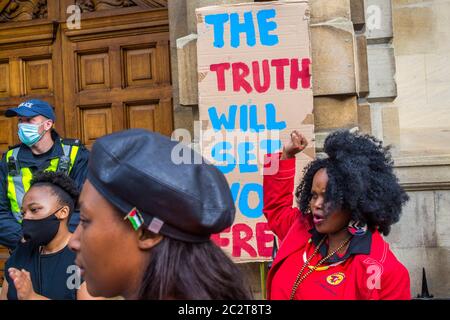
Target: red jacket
(376,275)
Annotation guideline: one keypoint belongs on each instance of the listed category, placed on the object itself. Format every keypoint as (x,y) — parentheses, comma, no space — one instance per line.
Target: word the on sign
(247,27)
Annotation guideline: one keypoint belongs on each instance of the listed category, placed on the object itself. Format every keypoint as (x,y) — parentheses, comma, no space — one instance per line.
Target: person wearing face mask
(42,266)
(41,149)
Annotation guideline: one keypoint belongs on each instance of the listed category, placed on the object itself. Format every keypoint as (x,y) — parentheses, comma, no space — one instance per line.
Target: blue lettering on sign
(217,122)
(271,146)
(247,27)
(245,157)
(243,202)
(271,116)
(265,27)
(248,119)
(220,156)
(218,21)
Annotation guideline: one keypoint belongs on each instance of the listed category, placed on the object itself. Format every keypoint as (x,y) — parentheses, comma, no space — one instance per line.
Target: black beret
(134,169)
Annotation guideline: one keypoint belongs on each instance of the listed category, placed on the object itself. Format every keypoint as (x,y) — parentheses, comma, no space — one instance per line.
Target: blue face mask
(29,133)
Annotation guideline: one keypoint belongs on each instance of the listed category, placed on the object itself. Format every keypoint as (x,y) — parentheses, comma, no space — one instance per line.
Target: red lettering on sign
(240,236)
(240,72)
(260,76)
(261,88)
(264,236)
(242,233)
(279,65)
(219,241)
(220,70)
(302,74)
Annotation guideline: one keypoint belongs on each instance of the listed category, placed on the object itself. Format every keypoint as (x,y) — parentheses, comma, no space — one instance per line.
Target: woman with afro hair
(332,245)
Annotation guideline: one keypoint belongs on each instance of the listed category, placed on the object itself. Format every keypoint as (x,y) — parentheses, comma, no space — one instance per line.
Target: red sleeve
(395,284)
(392,284)
(278,190)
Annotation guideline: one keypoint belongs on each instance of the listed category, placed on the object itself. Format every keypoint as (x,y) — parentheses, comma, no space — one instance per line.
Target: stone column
(381,62)
(340,72)
(183,117)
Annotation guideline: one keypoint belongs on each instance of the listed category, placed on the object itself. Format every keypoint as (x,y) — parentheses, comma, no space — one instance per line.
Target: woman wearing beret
(332,245)
(146,223)
(43,267)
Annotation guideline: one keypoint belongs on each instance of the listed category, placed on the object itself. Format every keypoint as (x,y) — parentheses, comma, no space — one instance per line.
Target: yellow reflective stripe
(9,154)
(18,185)
(73,156)
(53,165)
(12,196)
(15,190)
(27,176)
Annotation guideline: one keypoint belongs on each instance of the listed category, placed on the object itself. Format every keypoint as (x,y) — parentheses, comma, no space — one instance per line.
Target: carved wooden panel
(164,117)
(141,115)
(37,76)
(95,123)
(155,3)
(139,66)
(4,78)
(99,5)
(27,73)
(93,71)
(8,129)
(127,76)
(22,10)
(153,115)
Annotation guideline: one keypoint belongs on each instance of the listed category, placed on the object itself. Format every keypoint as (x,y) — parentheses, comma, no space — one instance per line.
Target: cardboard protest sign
(255,87)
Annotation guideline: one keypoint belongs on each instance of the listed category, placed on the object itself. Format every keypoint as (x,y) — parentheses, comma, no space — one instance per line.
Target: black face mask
(40,232)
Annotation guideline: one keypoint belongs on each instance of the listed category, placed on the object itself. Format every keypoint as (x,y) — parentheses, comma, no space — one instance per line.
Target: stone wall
(376,60)
(422,55)
(421,40)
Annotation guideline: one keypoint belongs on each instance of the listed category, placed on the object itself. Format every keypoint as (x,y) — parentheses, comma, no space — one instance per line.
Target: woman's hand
(297,144)
(23,284)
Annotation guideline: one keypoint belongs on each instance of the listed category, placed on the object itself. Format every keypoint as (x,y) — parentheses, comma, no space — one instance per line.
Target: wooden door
(117,74)
(112,73)
(29,68)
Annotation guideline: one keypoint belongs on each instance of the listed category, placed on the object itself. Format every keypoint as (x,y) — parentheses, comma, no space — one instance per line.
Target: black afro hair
(61,185)
(360,179)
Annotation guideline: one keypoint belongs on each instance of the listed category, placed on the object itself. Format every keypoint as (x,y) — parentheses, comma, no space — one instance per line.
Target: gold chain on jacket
(300,278)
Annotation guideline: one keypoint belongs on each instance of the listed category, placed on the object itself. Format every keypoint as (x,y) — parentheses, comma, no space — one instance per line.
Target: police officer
(42,149)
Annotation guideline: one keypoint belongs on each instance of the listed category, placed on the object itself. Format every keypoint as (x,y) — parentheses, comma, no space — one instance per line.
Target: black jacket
(10,229)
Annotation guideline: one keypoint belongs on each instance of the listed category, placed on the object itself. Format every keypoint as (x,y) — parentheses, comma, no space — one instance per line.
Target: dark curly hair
(360,179)
(61,185)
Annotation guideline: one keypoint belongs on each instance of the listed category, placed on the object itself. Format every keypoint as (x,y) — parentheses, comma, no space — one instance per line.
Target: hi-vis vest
(19,179)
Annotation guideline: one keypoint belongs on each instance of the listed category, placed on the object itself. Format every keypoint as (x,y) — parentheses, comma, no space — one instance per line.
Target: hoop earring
(357,228)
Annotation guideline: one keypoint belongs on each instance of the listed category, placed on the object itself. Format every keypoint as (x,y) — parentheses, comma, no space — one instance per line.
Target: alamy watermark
(73,21)
(74,279)
(228,150)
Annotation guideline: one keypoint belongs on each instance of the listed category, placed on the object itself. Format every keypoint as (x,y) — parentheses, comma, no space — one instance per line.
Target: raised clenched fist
(297,144)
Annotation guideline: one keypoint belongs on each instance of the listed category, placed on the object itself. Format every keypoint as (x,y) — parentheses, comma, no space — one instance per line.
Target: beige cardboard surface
(280,49)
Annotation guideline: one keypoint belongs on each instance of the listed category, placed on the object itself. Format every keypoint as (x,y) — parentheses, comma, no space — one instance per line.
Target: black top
(53,275)
(359,244)
(10,229)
